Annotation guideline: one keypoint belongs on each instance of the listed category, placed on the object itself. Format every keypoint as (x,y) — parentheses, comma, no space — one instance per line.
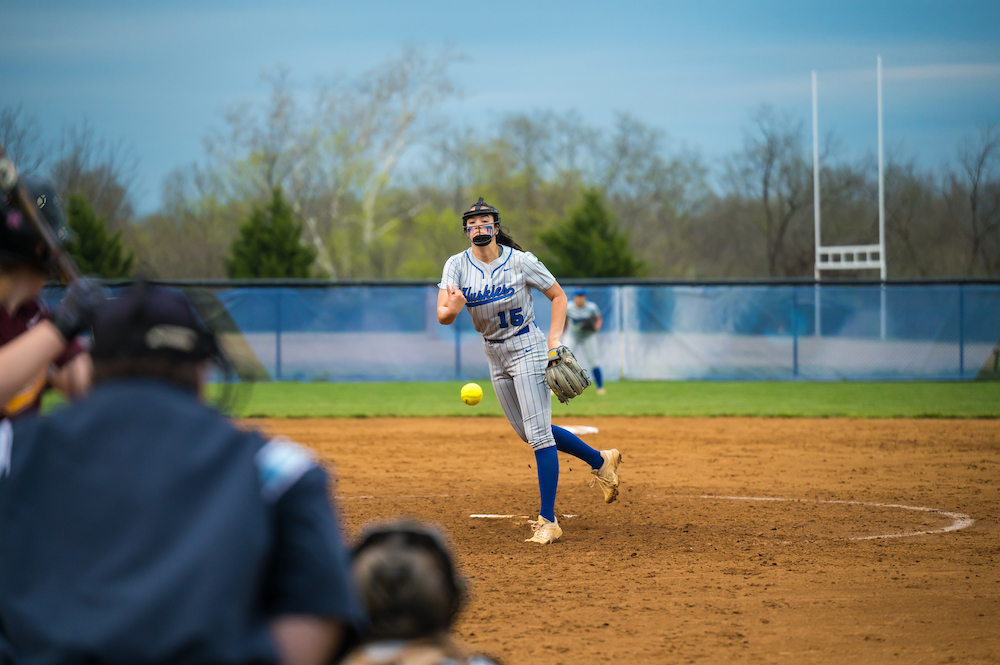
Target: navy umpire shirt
(140,526)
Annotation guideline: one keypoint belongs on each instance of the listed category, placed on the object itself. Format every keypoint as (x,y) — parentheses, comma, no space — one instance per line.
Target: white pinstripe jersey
(498,295)
(577,315)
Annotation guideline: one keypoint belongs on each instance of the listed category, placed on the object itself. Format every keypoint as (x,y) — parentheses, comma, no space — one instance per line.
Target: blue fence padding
(747,332)
(343,309)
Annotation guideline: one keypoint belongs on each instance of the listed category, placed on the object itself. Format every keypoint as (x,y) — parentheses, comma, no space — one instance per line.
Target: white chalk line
(492,516)
(368,497)
(958,520)
(580,430)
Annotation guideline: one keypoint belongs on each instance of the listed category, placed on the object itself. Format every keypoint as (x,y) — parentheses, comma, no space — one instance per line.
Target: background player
(584,321)
(493,279)
(38,350)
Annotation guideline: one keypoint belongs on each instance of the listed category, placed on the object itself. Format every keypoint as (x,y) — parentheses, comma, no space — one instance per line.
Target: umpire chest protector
(133,530)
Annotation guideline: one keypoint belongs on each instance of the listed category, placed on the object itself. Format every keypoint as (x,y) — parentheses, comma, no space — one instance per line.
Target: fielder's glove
(589,324)
(76,312)
(564,375)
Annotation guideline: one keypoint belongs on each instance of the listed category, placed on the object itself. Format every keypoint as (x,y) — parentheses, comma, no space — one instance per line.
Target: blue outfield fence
(866,332)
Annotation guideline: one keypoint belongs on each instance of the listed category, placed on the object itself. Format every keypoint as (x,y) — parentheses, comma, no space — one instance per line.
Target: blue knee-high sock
(571,444)
(548,480)
(598,378)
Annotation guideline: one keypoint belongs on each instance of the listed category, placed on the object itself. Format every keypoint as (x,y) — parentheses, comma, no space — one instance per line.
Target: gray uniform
(582,342)
(498,297)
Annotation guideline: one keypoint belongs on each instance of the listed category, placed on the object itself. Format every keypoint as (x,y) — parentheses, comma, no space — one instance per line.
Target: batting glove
(76,312)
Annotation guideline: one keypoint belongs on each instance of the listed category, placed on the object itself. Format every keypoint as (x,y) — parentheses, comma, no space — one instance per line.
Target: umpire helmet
(147,321)
(20,242)
(407,579)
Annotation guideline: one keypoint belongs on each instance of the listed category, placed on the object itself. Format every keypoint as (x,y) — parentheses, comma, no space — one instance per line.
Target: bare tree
(190,237)
(973,196)
(260,145)
(363,130)
(21,136)
(528,138)
(266,145)
(772,177)
(453,158)
(103,171)
(632,158)
(334,157)
(398,94)
(576,148)
(909,224)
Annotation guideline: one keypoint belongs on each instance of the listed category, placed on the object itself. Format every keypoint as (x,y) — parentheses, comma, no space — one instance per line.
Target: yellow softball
(472,393)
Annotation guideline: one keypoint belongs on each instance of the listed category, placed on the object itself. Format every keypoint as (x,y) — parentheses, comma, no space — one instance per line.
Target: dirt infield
(689,566)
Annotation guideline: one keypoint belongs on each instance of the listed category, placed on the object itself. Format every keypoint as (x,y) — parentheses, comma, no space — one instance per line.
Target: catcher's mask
(20,242)
(147,321)
(487,231)
(407,579)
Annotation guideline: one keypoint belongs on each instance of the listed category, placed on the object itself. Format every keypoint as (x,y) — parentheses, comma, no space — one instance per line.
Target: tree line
(367,178)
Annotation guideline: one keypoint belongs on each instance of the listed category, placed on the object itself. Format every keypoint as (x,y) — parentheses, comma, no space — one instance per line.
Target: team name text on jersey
(488,294)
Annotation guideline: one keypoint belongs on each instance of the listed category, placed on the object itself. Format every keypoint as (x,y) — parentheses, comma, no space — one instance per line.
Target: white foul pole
(881,200)
(881,175)
(816,200)
(816,171)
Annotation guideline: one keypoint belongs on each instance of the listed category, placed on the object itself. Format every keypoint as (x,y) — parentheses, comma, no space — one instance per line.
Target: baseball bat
(10,186)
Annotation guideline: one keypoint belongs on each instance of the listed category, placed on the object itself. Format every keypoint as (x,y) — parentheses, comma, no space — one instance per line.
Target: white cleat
(544,531)
(607,475)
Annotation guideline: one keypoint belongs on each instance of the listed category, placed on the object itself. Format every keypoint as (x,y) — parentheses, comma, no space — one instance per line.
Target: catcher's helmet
(20,242)
(407,579)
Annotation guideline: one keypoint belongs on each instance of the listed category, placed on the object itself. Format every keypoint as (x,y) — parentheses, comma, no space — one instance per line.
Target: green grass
(638,398)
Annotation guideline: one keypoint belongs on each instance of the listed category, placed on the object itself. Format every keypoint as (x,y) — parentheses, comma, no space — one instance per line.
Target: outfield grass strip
(638,398)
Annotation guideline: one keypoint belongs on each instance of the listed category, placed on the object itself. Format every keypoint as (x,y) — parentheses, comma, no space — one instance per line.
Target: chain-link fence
(754,331)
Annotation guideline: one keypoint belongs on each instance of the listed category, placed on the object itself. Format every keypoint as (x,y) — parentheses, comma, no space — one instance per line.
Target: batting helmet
(407,580)
(20,242)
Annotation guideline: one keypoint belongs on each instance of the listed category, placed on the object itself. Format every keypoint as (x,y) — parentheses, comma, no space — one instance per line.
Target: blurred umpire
(38,350)
(138,525)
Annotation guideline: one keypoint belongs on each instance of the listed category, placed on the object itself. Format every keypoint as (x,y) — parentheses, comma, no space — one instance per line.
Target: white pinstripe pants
(517,370)
(584,348)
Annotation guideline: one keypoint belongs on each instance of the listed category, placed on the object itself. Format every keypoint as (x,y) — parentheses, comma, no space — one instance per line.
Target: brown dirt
(667,576)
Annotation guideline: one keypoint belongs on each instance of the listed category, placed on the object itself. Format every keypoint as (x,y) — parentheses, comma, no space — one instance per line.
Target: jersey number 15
(516,318)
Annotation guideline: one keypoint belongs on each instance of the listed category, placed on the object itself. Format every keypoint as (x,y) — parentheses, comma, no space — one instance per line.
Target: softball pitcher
(493,279)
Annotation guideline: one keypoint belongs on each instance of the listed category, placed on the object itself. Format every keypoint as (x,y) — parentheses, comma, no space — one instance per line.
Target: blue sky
(159,75)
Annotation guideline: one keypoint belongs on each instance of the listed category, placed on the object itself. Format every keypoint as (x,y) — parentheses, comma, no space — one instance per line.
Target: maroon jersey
(12,325)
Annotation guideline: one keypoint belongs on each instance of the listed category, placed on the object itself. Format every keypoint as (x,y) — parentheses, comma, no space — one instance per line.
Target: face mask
(482,239)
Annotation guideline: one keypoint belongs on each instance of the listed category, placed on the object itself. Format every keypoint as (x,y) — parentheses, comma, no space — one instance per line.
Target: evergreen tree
(95,250)
(270,244)
(590,244)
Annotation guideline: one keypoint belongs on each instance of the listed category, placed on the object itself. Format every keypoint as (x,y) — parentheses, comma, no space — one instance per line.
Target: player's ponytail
(504,239)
